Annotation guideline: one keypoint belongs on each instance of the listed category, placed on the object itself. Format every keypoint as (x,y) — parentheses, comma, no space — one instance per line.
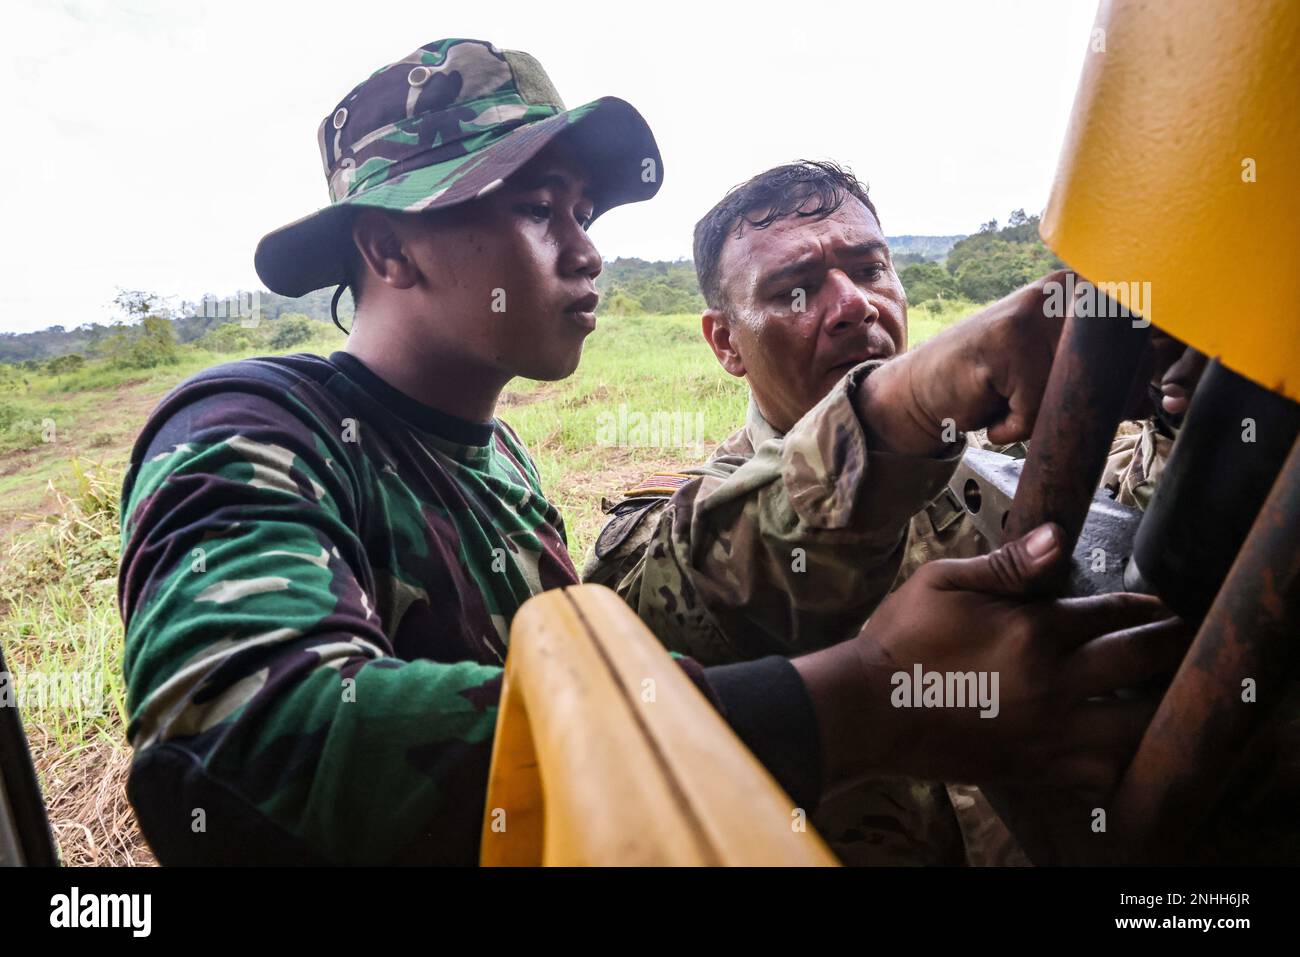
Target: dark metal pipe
(1211,489)
(1089,387)
(1201,728)
(25,836)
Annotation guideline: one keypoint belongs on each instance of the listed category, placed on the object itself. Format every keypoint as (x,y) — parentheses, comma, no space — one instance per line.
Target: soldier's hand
(1178,381)
(1167,376)
(987,371)
(1054,721)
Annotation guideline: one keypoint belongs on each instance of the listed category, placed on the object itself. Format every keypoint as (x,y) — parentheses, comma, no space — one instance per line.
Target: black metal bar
(1212,487)
(20,793)
(1203,723)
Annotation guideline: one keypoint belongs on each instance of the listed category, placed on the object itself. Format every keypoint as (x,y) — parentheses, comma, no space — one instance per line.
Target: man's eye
(539,210)
(872,272)
(585,221)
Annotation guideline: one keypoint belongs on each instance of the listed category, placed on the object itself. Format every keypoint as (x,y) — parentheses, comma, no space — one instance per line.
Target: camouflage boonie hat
(444,125)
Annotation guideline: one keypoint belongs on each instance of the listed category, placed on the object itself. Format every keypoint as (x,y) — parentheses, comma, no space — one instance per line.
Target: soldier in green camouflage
(322,556)
(319,568)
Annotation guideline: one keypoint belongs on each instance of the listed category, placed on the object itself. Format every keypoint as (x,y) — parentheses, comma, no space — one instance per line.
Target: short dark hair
(810,188)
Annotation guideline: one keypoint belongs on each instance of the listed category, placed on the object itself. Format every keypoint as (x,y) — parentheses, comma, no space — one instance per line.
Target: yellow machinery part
(607,754)
(1180,106)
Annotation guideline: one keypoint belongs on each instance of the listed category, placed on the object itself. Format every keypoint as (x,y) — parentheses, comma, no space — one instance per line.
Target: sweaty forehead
(746,257)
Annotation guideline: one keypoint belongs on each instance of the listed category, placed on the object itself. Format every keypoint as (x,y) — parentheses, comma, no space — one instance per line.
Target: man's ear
(716,326)
(381,246)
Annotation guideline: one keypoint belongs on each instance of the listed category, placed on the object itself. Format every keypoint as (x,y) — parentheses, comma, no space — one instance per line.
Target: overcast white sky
(152,144)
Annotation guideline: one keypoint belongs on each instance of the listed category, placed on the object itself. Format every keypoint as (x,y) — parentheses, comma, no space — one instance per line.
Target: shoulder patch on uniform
(627,516)
(660,483)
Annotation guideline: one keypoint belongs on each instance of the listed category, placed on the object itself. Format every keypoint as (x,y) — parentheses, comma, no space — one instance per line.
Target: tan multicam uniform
(786,544)
(669,549)
(1137,457)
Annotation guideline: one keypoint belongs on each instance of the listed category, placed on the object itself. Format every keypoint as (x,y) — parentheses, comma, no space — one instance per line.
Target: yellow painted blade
(607,754)
(1181,169)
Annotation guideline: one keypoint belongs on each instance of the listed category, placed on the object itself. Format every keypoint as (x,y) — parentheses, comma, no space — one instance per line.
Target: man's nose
(580,256)
(850,305)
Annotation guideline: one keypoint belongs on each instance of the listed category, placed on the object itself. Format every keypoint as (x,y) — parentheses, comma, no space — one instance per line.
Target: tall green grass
(62,637)
(641,365)
(927,320)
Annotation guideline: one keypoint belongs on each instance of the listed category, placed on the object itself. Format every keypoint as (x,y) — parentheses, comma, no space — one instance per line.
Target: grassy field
(68,438)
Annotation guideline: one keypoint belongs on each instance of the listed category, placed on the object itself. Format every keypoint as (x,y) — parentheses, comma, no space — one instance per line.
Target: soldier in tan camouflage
(1140,450)
(761,549)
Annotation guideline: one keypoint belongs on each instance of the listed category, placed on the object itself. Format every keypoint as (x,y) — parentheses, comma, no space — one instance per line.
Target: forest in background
(934,269)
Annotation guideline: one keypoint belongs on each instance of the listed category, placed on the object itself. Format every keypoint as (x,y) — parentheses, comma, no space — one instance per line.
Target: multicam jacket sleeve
(250,635)
(779,553)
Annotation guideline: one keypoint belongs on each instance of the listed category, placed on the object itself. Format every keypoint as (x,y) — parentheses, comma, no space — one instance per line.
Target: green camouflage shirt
(318,577)
(317,581)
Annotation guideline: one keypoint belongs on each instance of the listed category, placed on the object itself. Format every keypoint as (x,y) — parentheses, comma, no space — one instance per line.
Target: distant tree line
(150,337)
(919,249)
(982,267)
(150,329)
(630,287)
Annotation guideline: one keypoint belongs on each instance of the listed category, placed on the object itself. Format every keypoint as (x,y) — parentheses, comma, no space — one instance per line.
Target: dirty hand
(987,371)
(1050,718)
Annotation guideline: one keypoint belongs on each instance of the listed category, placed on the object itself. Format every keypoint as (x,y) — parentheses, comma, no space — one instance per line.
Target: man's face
(510,278)
(809,299)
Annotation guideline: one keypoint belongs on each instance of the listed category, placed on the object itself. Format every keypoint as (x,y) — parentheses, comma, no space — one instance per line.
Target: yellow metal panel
(607,754)
(1179,106)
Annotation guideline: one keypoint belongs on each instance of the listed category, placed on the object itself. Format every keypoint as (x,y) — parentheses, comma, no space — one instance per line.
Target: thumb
(1012,570)
(1015,427)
